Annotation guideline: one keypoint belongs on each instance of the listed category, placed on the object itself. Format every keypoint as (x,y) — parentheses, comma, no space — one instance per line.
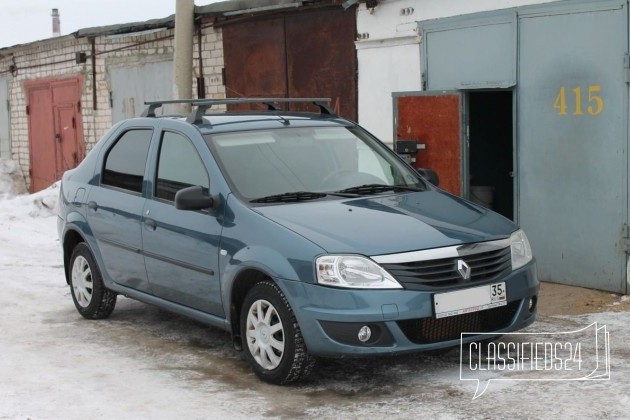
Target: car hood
(390,224)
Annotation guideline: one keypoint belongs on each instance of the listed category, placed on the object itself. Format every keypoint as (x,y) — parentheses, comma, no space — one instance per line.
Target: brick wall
(55,58)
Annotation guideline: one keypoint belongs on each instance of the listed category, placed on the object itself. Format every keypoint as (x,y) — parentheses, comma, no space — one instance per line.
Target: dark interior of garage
(491,150)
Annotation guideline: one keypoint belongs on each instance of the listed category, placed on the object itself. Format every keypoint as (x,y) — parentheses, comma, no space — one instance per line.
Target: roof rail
(149,112)
(196,116)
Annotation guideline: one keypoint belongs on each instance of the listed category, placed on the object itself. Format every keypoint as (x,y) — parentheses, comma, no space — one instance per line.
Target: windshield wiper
(289,197)
(376,188)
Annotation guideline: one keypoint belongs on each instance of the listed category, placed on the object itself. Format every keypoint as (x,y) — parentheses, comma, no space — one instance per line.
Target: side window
(179,166)
(125,161)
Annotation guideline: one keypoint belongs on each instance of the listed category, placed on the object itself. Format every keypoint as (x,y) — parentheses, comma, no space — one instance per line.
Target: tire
(273,342)
(91,298)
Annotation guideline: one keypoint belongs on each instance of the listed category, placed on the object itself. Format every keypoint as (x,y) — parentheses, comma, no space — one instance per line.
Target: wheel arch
(70,240)
(242,284)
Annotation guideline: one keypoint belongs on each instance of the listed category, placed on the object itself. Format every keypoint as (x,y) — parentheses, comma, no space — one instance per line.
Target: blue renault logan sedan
(299,233)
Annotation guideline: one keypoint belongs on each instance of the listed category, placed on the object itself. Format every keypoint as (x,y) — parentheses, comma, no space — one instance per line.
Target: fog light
(532,303)
(365,333)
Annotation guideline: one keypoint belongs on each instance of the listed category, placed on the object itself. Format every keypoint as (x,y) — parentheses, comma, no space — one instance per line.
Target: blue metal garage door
(470,52)
(572,140)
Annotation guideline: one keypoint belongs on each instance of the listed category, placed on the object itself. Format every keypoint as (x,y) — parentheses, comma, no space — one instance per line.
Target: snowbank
(14,199)
(11,179)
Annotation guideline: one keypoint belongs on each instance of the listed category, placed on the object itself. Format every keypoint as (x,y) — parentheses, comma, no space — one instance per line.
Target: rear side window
(125,161)
(179,167)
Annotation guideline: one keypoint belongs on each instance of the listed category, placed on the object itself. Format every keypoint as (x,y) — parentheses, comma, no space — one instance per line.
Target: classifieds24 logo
(580,355)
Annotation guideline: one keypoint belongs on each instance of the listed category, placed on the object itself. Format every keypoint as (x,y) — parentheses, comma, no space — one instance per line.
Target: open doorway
(490,153)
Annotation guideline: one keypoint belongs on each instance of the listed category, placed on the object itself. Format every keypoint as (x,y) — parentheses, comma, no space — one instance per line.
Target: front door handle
(150,223)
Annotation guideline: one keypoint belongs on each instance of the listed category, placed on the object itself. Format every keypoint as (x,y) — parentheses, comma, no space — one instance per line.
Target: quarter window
(179,167)
(126,160)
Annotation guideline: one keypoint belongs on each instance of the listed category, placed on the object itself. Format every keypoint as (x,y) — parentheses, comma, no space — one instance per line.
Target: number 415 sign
(579,99)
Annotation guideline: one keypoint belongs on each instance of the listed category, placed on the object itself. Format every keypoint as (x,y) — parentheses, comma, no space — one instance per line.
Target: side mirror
(193,198)
(430,175)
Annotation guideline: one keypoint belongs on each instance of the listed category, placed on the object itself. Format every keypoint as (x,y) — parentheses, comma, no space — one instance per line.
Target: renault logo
(463,269)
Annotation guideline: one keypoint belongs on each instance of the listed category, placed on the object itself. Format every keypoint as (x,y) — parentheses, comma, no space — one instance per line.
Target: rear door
(115,207)
(434,121)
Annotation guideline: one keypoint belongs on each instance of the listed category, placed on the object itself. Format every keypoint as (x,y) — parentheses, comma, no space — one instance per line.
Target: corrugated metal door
(5,131)
(133,85)
(55,128)
(572,117)
(303,54)
(435,122)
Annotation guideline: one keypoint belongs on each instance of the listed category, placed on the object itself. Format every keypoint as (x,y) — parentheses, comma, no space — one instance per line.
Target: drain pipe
(183,57)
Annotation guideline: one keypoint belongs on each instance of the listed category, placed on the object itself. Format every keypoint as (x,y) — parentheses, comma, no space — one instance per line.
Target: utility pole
(183,57)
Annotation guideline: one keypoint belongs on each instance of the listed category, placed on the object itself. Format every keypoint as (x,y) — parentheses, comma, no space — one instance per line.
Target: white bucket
(482,194)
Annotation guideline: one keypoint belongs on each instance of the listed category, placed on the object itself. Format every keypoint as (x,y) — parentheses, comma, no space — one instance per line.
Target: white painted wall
(384,70)
(389,59)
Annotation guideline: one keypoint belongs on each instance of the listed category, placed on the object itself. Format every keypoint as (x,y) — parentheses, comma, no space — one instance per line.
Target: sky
(23,21)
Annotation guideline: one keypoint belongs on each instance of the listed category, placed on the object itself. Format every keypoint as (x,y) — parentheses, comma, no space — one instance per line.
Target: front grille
(432,330)
(442,273)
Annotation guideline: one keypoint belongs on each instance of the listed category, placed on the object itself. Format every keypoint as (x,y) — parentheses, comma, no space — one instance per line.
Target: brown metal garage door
(309,53)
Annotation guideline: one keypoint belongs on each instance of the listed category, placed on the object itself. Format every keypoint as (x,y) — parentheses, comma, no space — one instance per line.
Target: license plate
(470,300)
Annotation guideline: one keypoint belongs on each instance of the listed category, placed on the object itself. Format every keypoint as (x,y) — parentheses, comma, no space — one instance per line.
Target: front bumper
(402,320)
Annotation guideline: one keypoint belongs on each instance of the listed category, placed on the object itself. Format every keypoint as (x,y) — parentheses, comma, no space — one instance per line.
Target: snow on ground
(146,363)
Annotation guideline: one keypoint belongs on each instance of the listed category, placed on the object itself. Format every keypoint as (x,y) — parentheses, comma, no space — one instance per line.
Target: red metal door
(41,138)
(435,121)
(69,152)
(55,129)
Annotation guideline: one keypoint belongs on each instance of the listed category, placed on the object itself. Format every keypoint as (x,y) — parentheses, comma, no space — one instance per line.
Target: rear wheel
(91,298)
(273,341)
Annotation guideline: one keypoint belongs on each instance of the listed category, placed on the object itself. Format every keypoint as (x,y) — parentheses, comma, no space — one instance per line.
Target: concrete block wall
(55,58)
(212,62)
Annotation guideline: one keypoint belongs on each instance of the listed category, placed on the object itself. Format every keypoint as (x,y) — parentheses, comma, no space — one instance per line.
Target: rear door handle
(150,223)
(93,205)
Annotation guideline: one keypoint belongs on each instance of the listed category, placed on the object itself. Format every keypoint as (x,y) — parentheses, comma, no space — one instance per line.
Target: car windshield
(296,163)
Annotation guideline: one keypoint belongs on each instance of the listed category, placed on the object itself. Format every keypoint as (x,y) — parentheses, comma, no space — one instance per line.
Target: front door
(181,247)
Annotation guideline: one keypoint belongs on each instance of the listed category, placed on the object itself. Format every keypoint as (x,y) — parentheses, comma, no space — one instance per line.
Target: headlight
(353,271)
(521,251)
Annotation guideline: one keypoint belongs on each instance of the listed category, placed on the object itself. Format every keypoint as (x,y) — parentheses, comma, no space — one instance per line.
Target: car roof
(227,122)
(273,117)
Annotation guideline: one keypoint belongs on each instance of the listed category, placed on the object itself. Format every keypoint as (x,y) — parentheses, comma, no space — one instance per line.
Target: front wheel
(273,341)
(91,298)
